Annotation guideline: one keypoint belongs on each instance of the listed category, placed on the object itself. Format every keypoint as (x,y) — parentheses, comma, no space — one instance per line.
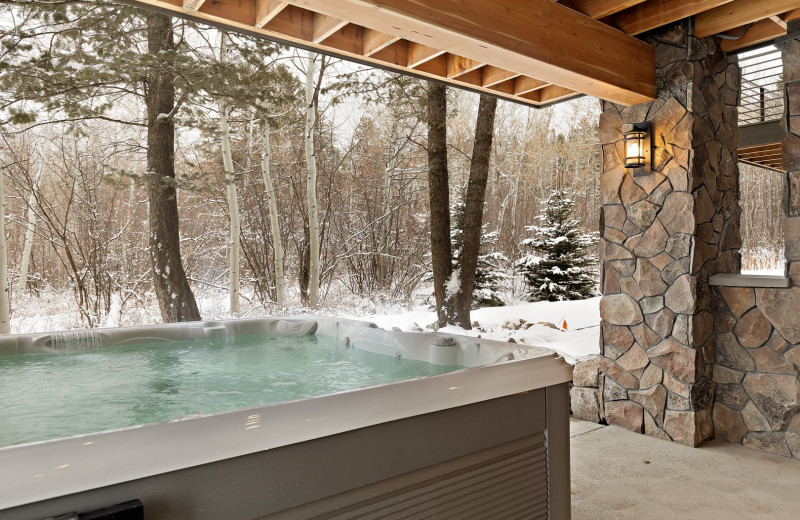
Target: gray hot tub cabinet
(487,456)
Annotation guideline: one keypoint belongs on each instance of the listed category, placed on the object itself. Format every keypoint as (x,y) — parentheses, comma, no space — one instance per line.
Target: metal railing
(762,87)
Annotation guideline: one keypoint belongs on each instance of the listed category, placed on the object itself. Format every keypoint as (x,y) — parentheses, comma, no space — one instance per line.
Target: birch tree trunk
(277,242)
(386,222)
(233,200)
(5,324)
(311,182)
(30,224)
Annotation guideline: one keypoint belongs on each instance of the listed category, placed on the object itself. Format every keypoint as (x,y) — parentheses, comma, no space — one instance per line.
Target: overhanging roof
(531,51)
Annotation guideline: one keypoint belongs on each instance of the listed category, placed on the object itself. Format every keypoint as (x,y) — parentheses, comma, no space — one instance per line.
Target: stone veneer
(663,236)
(757,401)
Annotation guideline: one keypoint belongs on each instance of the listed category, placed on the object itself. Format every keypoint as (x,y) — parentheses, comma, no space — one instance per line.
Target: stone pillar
(790,51)
(663,236)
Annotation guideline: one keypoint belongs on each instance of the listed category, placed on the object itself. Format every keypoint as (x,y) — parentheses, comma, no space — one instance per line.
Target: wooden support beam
(493,75)
(436,66)
(419,54)
(458,65)
(539,38)
(193,5)
(738,13)
(349,39)
(294,22)
(600,8)
(791,16)
(655,13)
(396,53)
(233,10)
(778,21)
(373,41)
(266,10)
(524,84)
(472,78)
(760,32)
(506,87)
(323,26)
(552,93)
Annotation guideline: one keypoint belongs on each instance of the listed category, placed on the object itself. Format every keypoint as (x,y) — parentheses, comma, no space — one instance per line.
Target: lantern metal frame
(641,163)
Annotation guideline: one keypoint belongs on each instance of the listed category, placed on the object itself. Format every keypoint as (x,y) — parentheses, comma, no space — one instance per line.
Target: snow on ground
(528,323)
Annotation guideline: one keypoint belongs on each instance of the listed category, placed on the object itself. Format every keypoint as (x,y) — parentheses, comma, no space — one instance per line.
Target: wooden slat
(539,38)
(419,54)
(266,10)
(551,93)
(294,22)
(458,65)
(791,16)
(349,39)
(493,75)
(192,5)
(655,13)
(760,32)
(779,21)
(373,41)
(600,8)
(524,84)
(473,77)
(396,53)
(506,87)
(324,26)
(738,13)
(436,66)
(239,11)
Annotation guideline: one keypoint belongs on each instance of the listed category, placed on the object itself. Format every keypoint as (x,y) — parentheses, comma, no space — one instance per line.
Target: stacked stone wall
(663,236)
(757,400)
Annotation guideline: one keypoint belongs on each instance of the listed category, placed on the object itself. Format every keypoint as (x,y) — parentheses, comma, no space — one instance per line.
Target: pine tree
(560,266)
(488,271)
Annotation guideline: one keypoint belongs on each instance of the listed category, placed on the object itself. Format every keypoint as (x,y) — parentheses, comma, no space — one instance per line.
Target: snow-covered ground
(570,328)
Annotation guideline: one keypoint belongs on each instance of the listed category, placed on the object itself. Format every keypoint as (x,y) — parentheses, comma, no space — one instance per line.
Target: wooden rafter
(600,8)
(534,52)
(738,13)
(655,13)
(487,46)
(762,31)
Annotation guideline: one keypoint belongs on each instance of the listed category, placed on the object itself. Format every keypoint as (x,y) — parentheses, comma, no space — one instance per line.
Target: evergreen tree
(488,271)
(560,266)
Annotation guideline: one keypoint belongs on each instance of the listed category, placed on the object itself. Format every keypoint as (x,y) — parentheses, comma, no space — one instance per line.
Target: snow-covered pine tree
(560,265)
(489,272)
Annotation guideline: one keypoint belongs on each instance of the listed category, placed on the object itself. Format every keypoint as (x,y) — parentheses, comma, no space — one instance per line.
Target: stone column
(790,51)
(663,236)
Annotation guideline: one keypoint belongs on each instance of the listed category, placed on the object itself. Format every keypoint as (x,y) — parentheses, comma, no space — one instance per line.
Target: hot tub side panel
(496,455)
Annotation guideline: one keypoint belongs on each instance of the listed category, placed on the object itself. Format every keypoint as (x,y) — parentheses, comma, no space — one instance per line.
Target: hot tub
(478,429)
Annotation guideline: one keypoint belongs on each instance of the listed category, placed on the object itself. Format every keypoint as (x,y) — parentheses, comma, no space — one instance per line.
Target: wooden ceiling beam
(193,5)
(524,84)
(791,15)
(600,8)
(419,54)
(324,26)
(458,65)
(396,54)
(373,41)
(541,38)
(294,22)
(655,13)
(760,32)
(493,75)
(266,10)
(739,13)
(233,10)
(348,39)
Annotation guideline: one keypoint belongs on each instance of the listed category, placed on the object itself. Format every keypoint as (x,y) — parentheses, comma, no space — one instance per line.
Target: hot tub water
(89,389)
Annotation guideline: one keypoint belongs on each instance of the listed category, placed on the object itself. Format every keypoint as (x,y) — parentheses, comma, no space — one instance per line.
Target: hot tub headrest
(296,327)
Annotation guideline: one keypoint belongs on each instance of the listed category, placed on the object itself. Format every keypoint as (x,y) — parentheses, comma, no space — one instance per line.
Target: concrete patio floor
(619,475)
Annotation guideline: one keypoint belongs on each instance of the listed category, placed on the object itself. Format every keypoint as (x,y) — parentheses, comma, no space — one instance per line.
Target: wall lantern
(637,149)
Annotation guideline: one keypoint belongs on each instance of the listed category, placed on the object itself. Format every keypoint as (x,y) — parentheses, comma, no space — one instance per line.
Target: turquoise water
(48,396)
